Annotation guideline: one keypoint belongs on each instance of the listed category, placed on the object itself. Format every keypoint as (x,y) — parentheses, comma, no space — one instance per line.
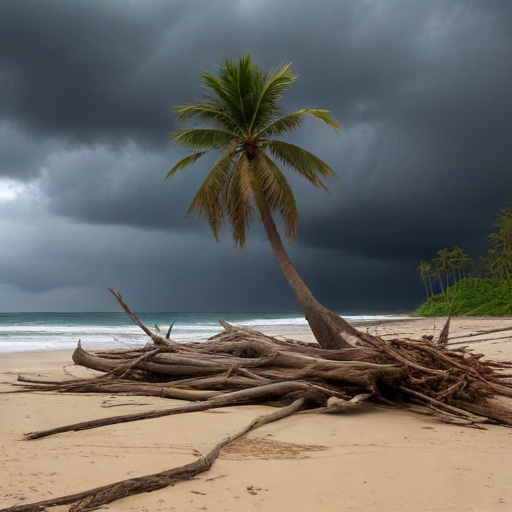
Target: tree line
(453,265)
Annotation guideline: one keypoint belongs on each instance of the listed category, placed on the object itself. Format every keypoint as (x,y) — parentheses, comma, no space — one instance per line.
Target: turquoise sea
(21,332)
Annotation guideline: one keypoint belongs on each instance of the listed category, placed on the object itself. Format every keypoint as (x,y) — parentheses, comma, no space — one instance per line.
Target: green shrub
(473,297)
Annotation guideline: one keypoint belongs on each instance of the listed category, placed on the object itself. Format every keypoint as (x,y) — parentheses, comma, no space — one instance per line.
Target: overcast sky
(423,91)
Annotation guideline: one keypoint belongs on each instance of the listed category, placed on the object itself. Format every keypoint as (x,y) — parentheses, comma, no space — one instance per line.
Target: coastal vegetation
(457,285)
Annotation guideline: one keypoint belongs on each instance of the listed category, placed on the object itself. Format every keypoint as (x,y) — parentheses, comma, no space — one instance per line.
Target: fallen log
(252,395)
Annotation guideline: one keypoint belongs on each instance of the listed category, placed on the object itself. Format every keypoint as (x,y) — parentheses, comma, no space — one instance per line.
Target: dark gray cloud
(422,90)
(89,71)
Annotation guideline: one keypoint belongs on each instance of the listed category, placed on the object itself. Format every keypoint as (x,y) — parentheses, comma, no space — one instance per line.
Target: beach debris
(241,366)
(443,337)
(168,333)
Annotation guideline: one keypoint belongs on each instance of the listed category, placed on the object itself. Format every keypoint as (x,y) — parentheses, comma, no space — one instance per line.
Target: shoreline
(25,335)
(374,459)
(301,333)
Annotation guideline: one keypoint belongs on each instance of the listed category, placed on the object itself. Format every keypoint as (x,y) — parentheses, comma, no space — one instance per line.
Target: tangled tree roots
(241,366)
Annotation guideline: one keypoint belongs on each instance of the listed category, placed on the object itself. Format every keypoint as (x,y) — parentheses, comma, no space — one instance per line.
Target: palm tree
(460,261)
(424,270)
(452,263)
(437,274)
(238,117)
(501,252)
(430,273)
(441,263)
(464,262)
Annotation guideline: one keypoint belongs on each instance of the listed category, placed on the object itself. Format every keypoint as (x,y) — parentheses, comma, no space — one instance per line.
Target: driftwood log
(242,366)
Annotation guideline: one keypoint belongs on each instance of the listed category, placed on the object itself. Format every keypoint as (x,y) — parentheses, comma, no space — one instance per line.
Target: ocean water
(20,332)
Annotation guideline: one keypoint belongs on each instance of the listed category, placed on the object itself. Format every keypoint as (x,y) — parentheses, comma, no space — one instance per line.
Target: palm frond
(208,200)
(268,91)
(201,138)
(305,163)
(185,162)
(225,94)
(244,71)
(278,193)
(238,198)
(215,86)
(233,86)
(211,113)
(282,125)
(292,121)
(326,117)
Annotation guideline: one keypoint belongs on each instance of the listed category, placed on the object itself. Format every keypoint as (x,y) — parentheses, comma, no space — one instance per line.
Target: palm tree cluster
(500,254)
(445,270)
(450,266)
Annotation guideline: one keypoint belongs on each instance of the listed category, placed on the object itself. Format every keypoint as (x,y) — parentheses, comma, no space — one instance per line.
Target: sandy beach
(370,460)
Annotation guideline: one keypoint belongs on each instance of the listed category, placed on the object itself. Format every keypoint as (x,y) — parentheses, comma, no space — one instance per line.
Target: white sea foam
(28,332)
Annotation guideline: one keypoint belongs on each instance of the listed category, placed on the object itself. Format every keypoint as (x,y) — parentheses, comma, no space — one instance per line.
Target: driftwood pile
(241,366)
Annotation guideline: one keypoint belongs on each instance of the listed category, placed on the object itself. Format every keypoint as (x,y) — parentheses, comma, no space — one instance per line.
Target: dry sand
(372,460)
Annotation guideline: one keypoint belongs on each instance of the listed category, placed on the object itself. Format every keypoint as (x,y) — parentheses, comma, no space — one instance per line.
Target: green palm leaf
(209,113)
(185,162)
(238,198)
(300,160)
(232,86)
(269,89)
(279,195)
(200,138)
(292,121)
(208,200)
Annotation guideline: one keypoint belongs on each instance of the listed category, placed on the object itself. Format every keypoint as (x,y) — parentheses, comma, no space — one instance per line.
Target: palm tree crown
(238,117)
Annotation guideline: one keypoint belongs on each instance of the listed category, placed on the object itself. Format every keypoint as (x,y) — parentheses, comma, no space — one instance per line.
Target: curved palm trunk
(426,289)
(329,329)
(440,280)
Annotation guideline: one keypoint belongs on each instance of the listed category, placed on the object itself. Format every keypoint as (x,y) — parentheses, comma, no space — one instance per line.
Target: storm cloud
(422,90)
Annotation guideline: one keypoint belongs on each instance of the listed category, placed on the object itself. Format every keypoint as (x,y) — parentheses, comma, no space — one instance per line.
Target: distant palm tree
(441,265)
(464,262)
(239,117)
(460,260)
(424,269)
(453,263)
(501,251)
